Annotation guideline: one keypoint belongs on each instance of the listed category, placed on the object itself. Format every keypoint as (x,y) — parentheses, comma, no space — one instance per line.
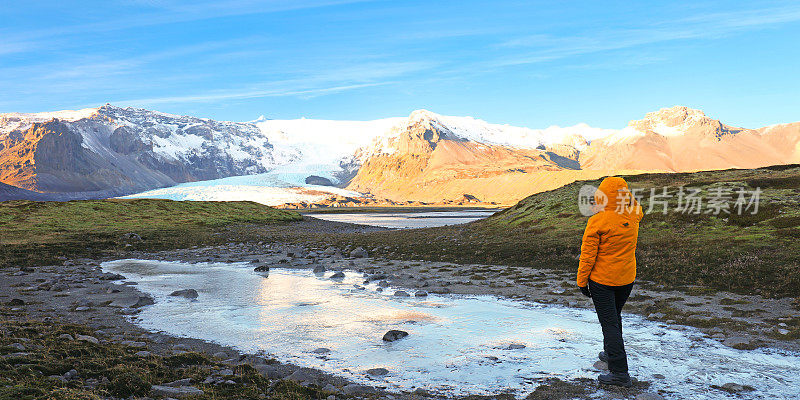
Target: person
(607,269)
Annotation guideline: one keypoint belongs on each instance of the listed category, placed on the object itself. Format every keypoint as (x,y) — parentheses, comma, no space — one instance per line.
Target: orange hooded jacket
(608,251)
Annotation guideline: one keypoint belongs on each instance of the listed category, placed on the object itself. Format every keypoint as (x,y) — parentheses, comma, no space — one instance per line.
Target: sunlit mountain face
(425,157)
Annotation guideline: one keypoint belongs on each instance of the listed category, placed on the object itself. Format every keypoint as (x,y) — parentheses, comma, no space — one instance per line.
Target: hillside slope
(750,253)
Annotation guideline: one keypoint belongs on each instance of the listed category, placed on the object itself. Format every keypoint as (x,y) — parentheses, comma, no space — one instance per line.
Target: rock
(143,353)
(734,387)
(270,371)
(66,336)
(220,354)
(176,392)
(87,338)
(601,365)
(321,350)
(658,376)
(261,268)
(133,343)
(319,269)
(515,346)
(82,308)
(17,346)
(108,276)
(421,293)
(132,237)
(420,392)
(782,331)
(302,375)
(383,284)
(359,287)
(16,302)
(330,251)
(736,342)
(655,315)
(355,389)
(377,371)
(185,293)
(401,293)
(226,372)
(358,252)
(648,396)
(338,275)
(132,301)
(318,180)
(71,374)
(394,335)
(179,383)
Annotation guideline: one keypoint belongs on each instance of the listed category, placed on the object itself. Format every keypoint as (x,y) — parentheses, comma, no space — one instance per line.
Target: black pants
(608,302)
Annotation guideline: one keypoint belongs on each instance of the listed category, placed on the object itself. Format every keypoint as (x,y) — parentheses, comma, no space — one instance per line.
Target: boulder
(394,335)
(401,293)
(421,293)
(261,268)
(736,342)
(319,269)
(185,293)
(359,252)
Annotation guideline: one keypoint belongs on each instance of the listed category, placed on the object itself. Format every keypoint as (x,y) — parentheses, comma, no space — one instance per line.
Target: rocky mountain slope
(111,150)
(680,139)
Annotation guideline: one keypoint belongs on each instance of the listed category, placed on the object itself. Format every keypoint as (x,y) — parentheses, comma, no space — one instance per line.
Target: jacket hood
(612,191)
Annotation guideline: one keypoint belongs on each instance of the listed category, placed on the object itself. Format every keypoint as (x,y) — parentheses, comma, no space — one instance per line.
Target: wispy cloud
(548,48)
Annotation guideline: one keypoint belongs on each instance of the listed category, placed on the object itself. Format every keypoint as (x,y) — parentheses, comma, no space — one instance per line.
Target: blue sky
(524,63)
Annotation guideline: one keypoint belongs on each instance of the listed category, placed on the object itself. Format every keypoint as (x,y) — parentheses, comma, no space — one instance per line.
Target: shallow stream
(457,344)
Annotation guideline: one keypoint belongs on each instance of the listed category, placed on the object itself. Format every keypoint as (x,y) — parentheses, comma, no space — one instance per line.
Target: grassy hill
(34,233)
(749,253)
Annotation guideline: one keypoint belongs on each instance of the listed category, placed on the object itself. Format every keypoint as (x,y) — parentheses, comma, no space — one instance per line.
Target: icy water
(407,220)
(457,344)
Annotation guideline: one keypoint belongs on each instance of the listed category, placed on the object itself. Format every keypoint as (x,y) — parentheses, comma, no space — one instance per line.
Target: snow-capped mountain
(111,151)
(682,139)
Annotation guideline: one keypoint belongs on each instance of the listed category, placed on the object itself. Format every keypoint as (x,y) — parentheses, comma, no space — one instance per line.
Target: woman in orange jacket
(607,269)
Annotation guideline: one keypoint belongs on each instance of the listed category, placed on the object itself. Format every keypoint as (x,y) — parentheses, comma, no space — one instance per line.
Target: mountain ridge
(424,157)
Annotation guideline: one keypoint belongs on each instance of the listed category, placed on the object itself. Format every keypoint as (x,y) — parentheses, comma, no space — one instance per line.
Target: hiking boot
(616,379)
(603,357)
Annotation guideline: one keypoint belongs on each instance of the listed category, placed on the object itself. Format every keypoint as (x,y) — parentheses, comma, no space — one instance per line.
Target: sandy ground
(79,292)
